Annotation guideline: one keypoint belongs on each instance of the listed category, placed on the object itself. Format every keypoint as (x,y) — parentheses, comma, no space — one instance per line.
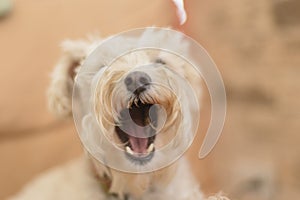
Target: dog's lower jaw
(131,186)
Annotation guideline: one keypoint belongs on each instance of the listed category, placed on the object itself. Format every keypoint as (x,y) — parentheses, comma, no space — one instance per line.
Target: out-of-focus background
(256,45)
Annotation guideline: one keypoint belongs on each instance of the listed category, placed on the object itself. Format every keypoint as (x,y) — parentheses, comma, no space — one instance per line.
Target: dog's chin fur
(172,182)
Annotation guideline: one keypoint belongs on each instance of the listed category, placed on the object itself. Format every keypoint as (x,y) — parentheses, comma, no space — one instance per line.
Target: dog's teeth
(150,148)
(128,150)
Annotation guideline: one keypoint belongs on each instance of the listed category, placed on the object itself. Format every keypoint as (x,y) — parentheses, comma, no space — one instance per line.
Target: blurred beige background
(256,45)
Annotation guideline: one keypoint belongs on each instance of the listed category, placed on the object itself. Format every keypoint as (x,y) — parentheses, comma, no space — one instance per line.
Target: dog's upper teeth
(150,148)
(129,150)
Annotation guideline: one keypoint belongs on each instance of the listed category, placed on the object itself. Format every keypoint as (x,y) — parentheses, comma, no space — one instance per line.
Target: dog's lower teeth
(150,148)
(128,150)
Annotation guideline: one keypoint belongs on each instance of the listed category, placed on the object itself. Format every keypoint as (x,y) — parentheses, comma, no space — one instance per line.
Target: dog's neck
(125,185)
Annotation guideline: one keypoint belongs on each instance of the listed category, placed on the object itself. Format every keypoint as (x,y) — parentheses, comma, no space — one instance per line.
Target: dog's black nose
(137,82)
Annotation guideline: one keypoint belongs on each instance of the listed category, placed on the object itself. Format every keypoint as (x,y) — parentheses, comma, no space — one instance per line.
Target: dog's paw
(60,97)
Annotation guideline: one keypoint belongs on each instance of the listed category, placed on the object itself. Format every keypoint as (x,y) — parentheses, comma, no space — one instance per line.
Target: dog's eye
(160,61)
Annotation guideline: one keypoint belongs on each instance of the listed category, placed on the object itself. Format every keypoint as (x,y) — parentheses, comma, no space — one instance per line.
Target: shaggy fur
(80,179)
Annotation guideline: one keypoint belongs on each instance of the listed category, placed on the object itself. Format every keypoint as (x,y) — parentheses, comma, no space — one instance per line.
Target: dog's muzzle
(137,123)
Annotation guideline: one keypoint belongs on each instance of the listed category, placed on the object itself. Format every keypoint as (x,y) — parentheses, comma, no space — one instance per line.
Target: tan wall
(256,45)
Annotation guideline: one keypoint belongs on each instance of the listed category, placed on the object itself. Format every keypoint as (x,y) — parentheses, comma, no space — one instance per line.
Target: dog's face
(136,106)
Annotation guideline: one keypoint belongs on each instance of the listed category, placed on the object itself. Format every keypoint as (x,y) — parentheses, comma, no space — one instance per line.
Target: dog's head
(136,109)
(137,105)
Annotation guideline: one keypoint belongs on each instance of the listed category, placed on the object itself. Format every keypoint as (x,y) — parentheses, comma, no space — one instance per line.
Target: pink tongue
(138,139)
(138,145)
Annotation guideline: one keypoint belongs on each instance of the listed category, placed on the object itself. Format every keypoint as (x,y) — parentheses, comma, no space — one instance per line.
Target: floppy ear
(62,79)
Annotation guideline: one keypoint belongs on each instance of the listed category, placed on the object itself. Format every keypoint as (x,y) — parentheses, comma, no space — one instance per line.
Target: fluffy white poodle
(126,102)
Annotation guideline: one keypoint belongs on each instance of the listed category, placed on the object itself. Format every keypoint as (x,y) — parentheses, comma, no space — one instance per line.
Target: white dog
(127,85)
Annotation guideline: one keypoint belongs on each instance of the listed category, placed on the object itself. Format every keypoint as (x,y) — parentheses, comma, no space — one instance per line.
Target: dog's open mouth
(137,131)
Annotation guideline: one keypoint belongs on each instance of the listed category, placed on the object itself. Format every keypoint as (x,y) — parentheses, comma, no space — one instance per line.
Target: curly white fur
(77,180)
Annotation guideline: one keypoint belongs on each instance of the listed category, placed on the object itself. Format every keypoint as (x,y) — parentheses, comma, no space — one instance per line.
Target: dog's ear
(62,79)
